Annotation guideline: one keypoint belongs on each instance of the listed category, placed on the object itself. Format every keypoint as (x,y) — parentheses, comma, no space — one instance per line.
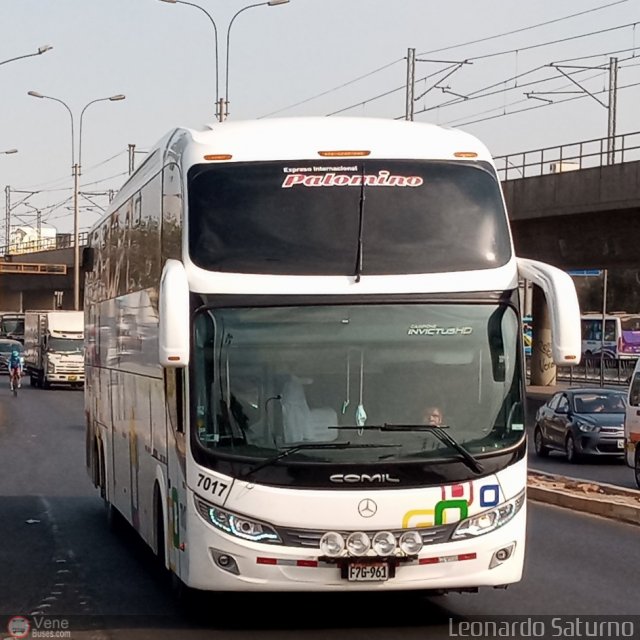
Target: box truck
(54,347)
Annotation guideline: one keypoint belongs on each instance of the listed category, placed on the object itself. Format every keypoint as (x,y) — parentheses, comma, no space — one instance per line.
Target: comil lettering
(383,179)
(352,478)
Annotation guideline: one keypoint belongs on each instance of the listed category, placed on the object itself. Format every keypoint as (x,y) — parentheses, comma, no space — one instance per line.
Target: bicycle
(14,381)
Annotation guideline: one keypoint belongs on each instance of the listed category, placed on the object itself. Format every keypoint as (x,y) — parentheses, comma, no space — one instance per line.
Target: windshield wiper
(438,430)
(309,446)
(358,272)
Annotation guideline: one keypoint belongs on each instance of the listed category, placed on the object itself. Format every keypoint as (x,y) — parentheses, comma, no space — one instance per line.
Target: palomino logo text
(354,478)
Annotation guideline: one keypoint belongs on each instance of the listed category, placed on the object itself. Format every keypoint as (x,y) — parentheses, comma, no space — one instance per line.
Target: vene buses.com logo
(18,627)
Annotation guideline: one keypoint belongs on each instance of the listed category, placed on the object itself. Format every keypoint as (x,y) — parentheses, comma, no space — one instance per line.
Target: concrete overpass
(576,206)
(39,277)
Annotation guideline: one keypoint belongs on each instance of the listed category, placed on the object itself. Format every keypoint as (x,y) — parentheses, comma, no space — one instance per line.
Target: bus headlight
(332,544)
(236,525)
(384,543)
(358,543)
(411,543)
(489,520)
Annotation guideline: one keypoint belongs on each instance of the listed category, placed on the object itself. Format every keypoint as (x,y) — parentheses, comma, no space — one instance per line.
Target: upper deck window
(309,217)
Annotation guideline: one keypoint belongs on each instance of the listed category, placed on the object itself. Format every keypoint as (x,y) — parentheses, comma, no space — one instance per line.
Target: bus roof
(304,138)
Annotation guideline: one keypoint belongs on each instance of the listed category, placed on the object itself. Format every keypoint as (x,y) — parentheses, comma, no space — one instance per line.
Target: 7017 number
(214,486)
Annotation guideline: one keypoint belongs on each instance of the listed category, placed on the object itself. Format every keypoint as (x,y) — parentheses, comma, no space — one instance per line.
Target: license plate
(72,378)
(375,572)
(620,444)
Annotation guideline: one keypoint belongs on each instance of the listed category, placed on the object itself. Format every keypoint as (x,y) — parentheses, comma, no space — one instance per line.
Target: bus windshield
(267,379)
(378,217)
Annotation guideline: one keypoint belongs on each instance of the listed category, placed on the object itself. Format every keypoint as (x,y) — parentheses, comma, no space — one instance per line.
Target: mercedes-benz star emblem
(367,508)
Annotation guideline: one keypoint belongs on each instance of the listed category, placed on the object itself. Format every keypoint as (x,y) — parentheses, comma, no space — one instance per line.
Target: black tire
(160,537)
(541,450)
(32,381)
(102,476)
(573,456)
(44,383)
(636,467)
(115,520)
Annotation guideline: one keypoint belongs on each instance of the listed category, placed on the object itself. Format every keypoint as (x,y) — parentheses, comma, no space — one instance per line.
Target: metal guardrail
(615,371)
(61,241)
(568,157)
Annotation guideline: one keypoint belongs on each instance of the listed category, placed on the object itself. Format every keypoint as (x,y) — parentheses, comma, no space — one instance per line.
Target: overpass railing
(590,372)
(569,157)
(61,241)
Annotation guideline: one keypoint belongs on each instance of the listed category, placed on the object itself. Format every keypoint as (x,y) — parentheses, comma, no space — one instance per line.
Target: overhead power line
(340,86)
(522,29)
(447,48)
(459,123)
(484,57)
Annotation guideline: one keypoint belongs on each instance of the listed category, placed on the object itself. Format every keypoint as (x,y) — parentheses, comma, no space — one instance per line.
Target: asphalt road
(59,558)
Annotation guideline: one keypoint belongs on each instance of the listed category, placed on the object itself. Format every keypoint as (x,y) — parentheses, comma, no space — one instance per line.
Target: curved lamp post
(76,170)
(215,37)
(222,107)
(40,51)
(270,3)
(7,221)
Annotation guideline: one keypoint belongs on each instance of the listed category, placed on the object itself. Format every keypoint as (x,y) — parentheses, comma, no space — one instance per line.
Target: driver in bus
(432,415)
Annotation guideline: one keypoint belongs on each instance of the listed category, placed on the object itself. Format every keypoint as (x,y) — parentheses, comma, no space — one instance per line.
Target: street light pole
(219,115)
(40,51)
(270,3)
(75,167)
(76,189)
(7,190)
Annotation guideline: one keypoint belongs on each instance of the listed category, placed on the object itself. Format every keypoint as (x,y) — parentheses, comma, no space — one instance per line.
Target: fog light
(501,555)
(358,543)
(384,543)
(411,542)
(225,562)
(332,544)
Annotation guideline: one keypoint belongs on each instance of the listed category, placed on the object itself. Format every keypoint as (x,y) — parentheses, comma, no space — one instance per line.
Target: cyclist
(15,367)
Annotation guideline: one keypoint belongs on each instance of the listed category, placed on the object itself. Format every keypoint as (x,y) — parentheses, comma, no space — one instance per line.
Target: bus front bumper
(219,562)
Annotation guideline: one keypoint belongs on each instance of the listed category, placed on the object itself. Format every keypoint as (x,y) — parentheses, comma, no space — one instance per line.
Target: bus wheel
(636,467)
(160,539)
(114,518)
(192,601)
(102,476)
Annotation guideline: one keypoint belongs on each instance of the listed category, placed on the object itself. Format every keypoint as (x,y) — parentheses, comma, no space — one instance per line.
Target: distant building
(27,239)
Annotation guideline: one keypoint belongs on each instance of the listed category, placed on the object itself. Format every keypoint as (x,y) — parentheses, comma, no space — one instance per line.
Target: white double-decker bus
(275,311)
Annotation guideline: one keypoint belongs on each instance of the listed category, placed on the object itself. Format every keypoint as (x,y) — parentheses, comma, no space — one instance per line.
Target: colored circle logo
(18,627)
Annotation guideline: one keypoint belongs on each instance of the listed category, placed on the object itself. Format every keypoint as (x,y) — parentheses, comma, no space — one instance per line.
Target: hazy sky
(162,57)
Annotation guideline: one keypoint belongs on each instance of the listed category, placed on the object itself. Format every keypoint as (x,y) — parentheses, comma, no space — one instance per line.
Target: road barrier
(586,496)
